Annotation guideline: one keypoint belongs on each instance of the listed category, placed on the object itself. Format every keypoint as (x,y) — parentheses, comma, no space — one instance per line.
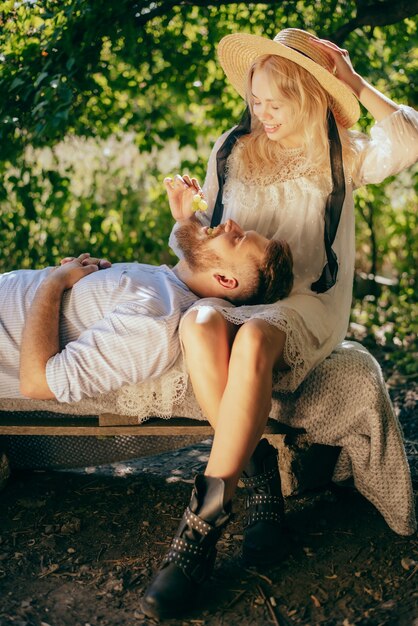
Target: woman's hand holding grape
(185,196)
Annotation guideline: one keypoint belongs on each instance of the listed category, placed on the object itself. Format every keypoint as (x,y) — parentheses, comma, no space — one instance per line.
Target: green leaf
(40,78)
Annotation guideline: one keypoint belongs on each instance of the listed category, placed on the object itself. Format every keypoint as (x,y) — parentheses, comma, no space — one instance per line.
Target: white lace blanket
(343,402)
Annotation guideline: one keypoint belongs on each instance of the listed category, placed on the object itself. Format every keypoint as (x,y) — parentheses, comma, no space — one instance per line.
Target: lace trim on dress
(155,397)
(290,164)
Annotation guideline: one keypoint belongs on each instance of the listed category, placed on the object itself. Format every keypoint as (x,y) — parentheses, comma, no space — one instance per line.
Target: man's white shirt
(117,326)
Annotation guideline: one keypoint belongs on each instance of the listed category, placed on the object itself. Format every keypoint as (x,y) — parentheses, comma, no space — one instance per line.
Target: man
(81,338)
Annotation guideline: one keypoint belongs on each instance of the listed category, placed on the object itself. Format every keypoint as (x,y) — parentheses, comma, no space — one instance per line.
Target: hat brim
(239,51)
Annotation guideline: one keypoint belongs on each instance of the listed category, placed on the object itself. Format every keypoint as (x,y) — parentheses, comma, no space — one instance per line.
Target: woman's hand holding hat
(375,102)
(343,68)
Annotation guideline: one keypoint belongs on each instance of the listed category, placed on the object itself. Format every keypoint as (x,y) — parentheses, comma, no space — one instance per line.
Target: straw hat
(238,52)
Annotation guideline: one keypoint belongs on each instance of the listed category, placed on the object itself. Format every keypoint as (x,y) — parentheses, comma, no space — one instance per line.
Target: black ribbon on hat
(334,202)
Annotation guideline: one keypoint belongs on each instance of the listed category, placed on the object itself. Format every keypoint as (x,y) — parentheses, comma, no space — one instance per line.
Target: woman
(289,170)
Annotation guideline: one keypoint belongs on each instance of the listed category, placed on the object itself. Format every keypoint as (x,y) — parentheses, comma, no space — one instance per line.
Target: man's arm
(40,338)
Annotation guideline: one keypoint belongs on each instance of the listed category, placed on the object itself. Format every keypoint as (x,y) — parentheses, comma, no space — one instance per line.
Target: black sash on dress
(333,206)
(243,128)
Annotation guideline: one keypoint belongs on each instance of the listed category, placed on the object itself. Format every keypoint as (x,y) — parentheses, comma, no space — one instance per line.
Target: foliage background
(101,100)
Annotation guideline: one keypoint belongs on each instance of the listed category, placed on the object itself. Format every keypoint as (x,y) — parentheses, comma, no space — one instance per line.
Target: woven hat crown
(301,41)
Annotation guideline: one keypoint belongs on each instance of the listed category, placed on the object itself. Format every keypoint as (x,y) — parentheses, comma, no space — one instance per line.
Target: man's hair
(273,279)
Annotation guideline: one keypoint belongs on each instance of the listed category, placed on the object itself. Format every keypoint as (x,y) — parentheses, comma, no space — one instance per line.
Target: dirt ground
(78,549)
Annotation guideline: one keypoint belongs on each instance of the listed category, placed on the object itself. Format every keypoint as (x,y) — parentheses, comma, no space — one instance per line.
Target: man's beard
(194,248)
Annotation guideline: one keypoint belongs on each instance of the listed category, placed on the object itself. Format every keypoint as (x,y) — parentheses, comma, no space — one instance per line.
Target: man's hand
(72,269)
(181,191)
(102,264)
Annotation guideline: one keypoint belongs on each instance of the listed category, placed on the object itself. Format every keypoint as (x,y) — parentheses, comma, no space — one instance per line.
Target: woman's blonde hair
(309,103)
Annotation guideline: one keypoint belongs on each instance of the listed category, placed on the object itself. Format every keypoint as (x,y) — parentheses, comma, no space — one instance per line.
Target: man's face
(226,246)
(234,244)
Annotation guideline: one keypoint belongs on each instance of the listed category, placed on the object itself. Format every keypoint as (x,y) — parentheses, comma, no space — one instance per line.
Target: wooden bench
(343,402)
(302,463)
(11,423)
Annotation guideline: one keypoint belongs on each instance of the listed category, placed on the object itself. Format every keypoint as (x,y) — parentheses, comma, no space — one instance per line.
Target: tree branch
(376,14)
(369,12)
(155,9)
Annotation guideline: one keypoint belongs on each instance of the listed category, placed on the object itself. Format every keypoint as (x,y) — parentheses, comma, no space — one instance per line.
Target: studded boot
(191,557)
(264,540)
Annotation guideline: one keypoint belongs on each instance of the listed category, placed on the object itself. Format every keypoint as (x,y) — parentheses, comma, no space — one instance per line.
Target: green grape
(198,203)
(195,202)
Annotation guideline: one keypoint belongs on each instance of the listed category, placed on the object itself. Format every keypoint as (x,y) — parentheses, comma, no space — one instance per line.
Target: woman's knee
(204,326)
(259,344)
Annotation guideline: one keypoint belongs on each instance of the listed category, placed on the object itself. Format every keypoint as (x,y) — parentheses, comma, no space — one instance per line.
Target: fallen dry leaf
(315,601)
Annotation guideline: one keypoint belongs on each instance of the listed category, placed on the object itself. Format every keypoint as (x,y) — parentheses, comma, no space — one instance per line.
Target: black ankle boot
(191,557)
(264,541)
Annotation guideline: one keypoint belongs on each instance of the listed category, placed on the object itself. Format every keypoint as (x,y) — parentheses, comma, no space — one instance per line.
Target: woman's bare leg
(241,381)
(246,401)
(207,338)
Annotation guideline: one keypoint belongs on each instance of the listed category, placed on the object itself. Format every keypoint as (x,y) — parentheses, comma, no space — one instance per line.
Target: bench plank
(104,425)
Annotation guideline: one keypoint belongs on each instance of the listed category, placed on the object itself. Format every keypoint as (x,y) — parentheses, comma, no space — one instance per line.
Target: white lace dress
(290,205)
